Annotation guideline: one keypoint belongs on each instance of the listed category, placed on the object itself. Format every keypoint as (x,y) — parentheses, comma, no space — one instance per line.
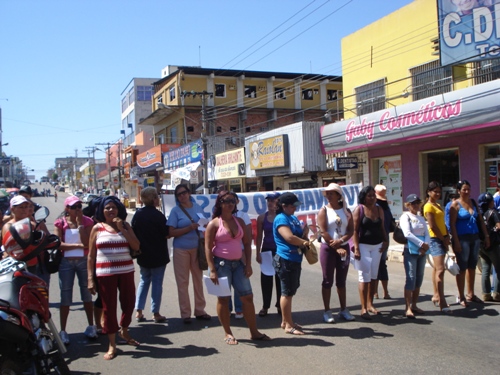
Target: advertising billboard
(468,30)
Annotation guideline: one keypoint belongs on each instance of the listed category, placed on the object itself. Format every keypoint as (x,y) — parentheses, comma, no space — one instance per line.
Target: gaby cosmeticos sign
(464,109)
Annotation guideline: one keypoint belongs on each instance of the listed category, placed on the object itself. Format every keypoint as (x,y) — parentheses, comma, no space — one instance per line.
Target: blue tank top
(466,223)
(268,241)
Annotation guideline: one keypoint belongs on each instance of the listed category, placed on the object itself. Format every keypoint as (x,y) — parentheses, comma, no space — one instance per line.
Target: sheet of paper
(266,267)
(203,222)
(221,290)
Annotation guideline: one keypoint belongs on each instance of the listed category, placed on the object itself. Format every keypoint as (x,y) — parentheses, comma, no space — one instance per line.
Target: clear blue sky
(64,64)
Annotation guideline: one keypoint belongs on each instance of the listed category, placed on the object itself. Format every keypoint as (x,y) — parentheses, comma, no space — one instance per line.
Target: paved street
(466,342)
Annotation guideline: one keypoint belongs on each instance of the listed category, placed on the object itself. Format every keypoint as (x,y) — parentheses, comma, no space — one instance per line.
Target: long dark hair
(430,187)
(364,192)
(218,202)
(462,183)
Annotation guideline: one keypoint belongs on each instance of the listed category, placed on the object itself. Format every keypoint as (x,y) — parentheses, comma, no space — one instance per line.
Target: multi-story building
(68,169)
(222,107)
(417,107)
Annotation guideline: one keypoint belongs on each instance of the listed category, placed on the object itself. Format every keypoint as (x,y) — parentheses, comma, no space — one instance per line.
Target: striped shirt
(113,253)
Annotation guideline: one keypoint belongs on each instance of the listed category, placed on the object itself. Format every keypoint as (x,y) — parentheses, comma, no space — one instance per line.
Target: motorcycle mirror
(41,214)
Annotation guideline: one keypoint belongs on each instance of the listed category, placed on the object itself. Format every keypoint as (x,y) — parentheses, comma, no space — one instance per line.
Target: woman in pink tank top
(225,258)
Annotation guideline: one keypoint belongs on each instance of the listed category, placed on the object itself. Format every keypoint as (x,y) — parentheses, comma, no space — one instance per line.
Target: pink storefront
(446,138)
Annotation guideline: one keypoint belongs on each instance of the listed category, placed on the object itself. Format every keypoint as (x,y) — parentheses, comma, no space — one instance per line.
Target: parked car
(87,198)
(61,188)
(79,194)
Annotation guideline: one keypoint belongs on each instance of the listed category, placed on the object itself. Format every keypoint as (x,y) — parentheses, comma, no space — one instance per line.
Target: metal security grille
(370,97)
(430,79)
(485,71)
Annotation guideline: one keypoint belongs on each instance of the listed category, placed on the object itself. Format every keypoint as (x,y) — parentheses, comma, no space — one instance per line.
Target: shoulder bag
(202,257)
(398,234)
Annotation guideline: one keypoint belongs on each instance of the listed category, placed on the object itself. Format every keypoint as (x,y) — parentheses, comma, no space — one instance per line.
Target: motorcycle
(29,341)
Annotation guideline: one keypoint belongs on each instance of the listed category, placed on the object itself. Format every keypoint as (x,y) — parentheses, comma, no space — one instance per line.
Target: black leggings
(266,284)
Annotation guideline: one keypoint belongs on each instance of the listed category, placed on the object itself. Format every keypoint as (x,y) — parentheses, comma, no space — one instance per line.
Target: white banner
(255,204)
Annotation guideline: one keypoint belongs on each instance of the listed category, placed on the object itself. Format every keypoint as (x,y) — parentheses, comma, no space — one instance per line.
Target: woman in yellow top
(439,244)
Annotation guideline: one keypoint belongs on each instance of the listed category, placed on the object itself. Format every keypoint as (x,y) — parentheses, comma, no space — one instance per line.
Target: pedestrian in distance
(466,223)
(289,236)
(415,230)
(74,228)
(150,227)
(111,242)
(370,240)
(265,244)
(439,242)
(183,227)
(225,257)
(336,225)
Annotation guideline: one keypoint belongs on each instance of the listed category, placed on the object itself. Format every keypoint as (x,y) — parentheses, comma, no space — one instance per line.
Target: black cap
(273,196)
(26,189)
(289,198)
(412,198)
(484,199)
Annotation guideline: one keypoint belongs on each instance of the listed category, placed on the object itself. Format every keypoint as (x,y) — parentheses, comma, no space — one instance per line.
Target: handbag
(451,265)
(52,260)
(398,234)
(310,252)
(201,255)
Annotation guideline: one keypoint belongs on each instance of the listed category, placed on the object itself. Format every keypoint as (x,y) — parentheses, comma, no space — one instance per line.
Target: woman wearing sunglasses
(226,258)
(183,226)
(73,228)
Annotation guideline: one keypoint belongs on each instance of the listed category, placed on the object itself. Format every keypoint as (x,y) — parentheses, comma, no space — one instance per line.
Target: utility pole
(93,149)
(109,160)
(204,140)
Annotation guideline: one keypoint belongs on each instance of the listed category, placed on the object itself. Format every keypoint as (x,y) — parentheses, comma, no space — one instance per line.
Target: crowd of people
(99,247)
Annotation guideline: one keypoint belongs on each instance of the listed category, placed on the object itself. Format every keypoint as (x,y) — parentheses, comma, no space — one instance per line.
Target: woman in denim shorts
(440,242)
(225,257)
(465,224)
(288,235)
(74,230)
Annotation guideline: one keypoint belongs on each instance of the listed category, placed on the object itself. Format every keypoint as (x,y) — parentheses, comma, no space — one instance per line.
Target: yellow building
(410,120)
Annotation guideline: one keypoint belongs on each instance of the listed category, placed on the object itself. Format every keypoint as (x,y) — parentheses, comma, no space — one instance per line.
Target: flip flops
(230,340)
(295,331)
(159,319)
(110,355)
(263,312)
(264,337)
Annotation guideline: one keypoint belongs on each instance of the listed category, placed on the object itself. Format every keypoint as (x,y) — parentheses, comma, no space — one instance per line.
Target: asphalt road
(466,342)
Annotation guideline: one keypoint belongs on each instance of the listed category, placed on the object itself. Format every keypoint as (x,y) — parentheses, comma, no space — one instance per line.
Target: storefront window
(442,166)
(492,165)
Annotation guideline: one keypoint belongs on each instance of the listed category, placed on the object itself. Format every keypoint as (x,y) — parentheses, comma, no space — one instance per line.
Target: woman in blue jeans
(465,224)
(415,230)
(74,230)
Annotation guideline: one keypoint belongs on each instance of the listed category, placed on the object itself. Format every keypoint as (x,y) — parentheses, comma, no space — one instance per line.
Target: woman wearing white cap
(336,225)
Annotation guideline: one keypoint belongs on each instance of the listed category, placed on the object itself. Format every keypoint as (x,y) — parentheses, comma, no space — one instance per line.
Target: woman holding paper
(182,225)
(266,248)
(223,239)
(415,230)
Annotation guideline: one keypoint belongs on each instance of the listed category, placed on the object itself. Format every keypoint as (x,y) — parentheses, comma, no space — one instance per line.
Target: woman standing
(490,256)
(150,226)
(265,227)
(370,240)
(465,224)
(183,226)
(224,236)
(109,258)
(74,231)
(415,230)
(336,225)
(439,242)
(289,235)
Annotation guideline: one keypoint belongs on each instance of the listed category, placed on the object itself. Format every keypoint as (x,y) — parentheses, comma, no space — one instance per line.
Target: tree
(54,176)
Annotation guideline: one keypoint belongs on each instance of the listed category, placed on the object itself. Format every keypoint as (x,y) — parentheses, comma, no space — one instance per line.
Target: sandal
(474,298)
(263,312)
(186,320)
(159,319)
(374,311)
(295,331)
(464,303)
(387,296)
(417,311)
(230,340)
(447,311)
(366,316)
(203,317)
(140,318)
(110,355)
(264,337)
(128,340)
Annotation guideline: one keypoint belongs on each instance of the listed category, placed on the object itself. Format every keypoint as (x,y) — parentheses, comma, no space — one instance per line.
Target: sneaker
(346,315)
(238,315)
(495,297)
(91,332)
(64,337)
(328,317)
(487,297)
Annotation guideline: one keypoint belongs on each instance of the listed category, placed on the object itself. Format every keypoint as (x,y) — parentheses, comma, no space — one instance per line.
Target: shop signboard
(468,30)
(344,163)
(493,169)
(459,110)
(230,164)
(183,155)
(269,153)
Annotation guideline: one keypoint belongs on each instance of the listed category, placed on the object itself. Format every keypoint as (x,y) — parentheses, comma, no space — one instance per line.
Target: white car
(79,194)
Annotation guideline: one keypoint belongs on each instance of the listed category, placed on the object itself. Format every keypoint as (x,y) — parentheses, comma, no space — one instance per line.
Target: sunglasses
(228,201)
(75,206)
(182,193)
